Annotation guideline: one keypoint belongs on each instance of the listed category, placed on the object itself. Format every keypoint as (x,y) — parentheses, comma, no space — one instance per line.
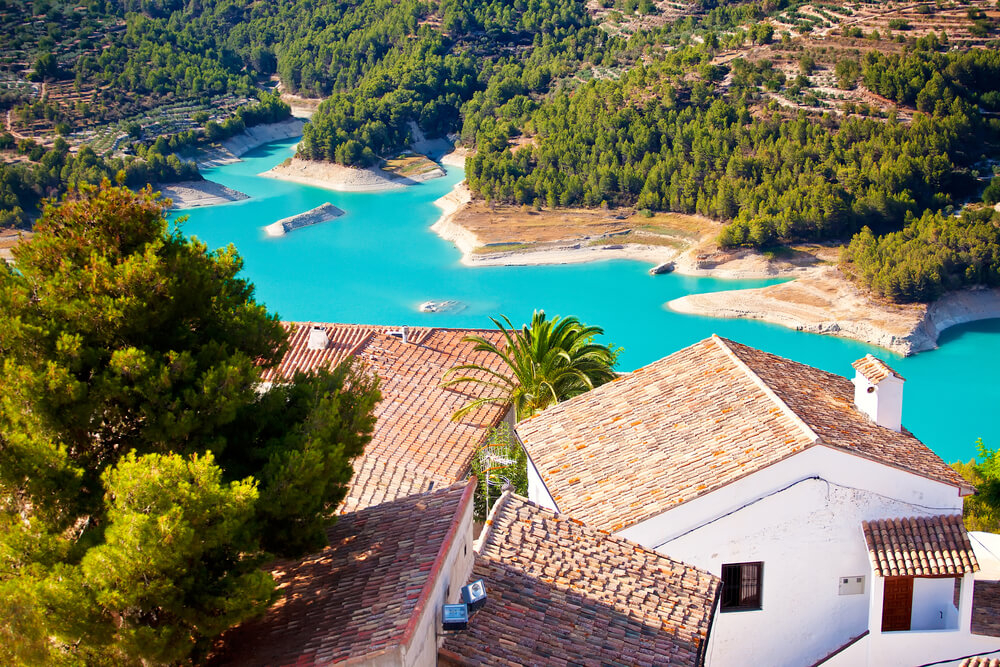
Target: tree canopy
(546,362)
(982,510)
(145,474)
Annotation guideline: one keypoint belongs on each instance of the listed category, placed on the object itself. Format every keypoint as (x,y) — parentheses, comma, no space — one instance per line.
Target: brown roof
(561,593)
(986,608)
(698,420)
(920,546)
(360,594)
(874,369)
(415,445)
(980,661)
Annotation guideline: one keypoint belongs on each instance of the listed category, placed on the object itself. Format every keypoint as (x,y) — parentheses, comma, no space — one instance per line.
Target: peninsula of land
(406,169)
(322,213)
(192,194)
(816,296)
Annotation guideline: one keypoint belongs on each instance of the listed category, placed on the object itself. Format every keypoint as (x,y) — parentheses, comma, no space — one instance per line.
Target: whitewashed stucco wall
(806,528)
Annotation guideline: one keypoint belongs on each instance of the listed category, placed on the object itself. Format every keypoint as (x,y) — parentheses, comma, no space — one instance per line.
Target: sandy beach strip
(192,194)
(230,150)
(337,177)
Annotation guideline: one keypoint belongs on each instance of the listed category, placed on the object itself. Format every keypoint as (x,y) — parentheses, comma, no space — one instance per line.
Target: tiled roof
(874,369)
(561,593)
(357,596)
(415,445)
(920,546)
(981,661)
(695,421)
(344,341)
(986,608)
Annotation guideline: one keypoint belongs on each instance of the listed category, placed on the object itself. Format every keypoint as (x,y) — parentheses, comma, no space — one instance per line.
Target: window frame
(756,604)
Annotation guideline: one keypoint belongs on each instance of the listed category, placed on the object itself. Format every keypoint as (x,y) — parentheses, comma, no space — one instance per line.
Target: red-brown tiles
(357,596)
(415,445)
(874,369)
(560,593)
(695,421)
(920,546)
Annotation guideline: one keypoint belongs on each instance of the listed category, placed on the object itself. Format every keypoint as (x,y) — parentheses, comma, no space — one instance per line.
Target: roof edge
(425,593)
(850,452)
(756,379)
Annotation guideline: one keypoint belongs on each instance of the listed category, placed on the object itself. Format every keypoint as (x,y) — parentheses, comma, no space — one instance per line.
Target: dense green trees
(24,184)
(929,256)
(545,362)
(144,476)
(982,510)
(654,139)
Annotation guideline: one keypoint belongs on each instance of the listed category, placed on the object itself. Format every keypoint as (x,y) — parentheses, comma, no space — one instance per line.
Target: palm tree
(548,361)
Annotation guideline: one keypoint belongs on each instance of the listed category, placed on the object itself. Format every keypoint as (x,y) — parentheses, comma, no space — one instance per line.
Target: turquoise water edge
(378,262)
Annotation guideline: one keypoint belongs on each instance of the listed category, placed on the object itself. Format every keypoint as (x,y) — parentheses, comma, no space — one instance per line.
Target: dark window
(741,586)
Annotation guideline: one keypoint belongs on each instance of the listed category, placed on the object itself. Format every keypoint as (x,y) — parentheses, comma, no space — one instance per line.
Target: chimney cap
(875,370)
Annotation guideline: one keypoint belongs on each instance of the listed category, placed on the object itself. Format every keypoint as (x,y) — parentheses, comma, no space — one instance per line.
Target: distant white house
(837,533)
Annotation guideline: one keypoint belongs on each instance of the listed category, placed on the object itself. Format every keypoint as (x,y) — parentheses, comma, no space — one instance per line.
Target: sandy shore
(191,194)
(824,301)
(337,177)
(455,158)
(230,150)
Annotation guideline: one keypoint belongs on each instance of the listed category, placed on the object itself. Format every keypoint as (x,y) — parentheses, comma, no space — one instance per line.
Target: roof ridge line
(756,379)
(360,345)
(487,531)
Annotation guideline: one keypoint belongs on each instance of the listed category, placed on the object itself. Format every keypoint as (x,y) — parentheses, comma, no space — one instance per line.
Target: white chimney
(318,340)
(406,334)
(878,392)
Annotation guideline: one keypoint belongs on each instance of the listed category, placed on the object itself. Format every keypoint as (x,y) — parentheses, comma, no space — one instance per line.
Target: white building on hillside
(837,533)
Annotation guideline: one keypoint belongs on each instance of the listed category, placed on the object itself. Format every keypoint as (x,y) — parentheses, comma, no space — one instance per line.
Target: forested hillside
(786,119)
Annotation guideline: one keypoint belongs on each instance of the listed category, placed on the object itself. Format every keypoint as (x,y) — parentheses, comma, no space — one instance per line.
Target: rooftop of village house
(356,597)
(697,420)
(562,593)
(415,446)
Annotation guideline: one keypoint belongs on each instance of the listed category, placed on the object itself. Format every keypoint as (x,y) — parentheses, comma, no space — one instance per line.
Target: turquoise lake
(378,262)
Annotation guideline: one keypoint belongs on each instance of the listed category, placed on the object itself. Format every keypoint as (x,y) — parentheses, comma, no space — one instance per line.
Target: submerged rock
(321,213)
(448,306)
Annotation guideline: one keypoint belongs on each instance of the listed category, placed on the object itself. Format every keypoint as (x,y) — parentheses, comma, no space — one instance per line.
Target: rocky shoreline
(823,301)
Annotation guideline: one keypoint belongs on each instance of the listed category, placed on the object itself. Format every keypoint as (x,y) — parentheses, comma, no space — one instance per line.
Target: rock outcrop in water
(321,213)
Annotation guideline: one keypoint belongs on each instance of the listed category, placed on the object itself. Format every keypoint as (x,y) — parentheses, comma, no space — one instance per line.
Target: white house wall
(808,534)
(538,493)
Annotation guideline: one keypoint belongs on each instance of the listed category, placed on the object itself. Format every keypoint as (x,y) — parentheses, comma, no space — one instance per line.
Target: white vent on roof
(318,340)
(879,396)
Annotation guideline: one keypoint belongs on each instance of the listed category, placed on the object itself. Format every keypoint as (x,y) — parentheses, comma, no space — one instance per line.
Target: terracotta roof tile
(357,596)
(986,608)
(981,661)
(561,593)
(415,445)
(695,421)
(920,546)
(874,369)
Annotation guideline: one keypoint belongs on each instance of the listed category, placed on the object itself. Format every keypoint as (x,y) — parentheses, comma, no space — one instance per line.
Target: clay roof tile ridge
(756,379)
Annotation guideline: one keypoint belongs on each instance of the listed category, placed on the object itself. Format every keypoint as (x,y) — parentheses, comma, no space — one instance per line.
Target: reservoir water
(378,262)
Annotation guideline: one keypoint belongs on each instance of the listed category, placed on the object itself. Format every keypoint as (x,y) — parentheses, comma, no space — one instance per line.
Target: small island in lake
(322,213)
